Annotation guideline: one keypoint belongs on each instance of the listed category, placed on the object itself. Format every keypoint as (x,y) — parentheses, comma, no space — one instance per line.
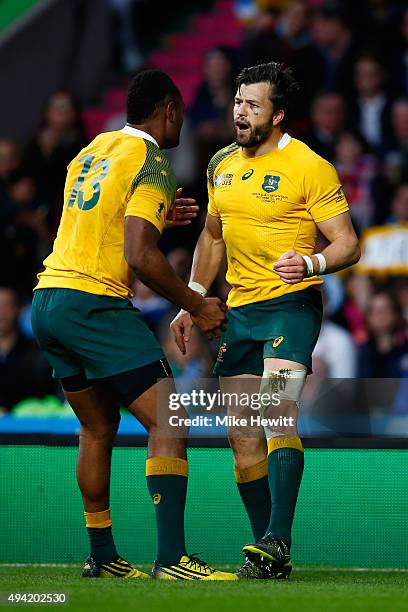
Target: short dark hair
(148,91)
(281,79)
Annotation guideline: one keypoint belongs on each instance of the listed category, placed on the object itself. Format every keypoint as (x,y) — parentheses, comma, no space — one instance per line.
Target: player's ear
(171,111)
(278,117)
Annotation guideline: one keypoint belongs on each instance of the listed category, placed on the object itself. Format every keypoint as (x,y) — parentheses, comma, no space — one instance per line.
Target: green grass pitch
(314,590)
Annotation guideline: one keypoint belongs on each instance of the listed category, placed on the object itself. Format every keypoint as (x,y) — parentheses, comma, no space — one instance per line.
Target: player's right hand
(181,327)
(210,317)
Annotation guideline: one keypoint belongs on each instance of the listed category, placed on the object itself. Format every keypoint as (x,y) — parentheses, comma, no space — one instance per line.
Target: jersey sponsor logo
(278,341)
(271,183)
(156,499)
(223,180)
(221,352)
(159,211)
(247,175)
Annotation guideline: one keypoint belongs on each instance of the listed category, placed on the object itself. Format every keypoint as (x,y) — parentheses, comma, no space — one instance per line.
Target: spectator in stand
(23,370)
(130,55)
(396,159)
(276,36)
(400,288)
(377,23)
(293,24)
(399,205)
(10,160)
(262,43)
(285,37)
(211,111)
(26,234)
(59,138)
(335,50)
(385,354)
(370,115)
(385,247)
(358,172)
(18,242)
(327,117)
(335,346)
(29,211)
(399,64)
(359,289)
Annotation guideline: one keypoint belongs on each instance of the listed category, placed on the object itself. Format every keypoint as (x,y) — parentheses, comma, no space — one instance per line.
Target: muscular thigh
(96,407)
(247,441)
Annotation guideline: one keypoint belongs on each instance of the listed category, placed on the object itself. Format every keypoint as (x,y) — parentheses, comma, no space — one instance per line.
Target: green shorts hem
(291,322)
(254,370)
(106,373)
(93,335)
(271,353)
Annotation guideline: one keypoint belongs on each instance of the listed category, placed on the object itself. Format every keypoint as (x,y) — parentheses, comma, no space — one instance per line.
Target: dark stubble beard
(256,136)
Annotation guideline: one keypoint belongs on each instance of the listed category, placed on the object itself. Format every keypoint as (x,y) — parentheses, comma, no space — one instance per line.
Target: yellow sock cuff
(160,466)
(98,520)
(284,442)
(253,472)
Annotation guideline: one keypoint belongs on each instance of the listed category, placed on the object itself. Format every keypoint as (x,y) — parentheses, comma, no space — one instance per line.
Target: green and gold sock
(99,527)
(167,483)
(253,487)
(285,469)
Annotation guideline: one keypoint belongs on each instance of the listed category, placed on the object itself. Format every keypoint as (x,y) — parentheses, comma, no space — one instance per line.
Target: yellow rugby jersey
(119,174)
(269,205)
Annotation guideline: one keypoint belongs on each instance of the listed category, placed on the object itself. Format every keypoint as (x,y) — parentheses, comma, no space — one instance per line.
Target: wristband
(309,266)
(197,287)
(322,262)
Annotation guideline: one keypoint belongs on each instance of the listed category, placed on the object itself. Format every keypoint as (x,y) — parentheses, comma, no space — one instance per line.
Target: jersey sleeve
(213,166)
(212,209)
(153,190)
(323,192)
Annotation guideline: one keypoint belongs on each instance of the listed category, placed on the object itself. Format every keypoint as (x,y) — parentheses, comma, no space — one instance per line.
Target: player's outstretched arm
(342,252)
(152,267)
(208,256)
(344,249)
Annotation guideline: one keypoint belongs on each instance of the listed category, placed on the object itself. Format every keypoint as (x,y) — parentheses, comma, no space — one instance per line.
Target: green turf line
(307,591)
(11,10)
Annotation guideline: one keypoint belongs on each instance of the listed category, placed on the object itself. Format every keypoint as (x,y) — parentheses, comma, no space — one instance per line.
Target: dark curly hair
(148,91)
(283,85)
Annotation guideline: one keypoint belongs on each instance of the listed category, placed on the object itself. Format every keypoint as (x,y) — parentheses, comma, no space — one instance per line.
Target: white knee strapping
(286,385)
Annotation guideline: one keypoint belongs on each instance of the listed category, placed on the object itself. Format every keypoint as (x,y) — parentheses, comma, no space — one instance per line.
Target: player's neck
(150,128)
(264,147)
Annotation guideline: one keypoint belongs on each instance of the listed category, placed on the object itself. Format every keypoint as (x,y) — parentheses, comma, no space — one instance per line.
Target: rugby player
(269,195)
(118,192)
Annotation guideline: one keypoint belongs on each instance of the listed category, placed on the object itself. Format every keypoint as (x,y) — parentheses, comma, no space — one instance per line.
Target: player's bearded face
(253,115)
(247,135)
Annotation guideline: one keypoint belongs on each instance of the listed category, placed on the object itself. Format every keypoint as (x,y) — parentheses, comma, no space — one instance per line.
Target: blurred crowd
(352,64)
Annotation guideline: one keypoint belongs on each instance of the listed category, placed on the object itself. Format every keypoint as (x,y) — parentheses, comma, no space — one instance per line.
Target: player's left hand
(291,267)
(181,327)
(182,211)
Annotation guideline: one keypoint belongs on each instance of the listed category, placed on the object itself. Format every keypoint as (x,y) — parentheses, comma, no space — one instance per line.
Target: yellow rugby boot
(115,569)
(190,567)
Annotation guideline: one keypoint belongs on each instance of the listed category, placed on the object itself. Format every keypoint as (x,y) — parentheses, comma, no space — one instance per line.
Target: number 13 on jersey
(77,194)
